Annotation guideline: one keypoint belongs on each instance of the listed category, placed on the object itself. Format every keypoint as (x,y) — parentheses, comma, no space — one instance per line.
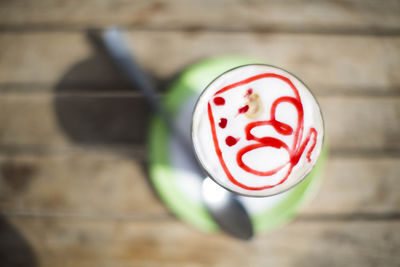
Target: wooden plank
(75,185)
(170,243)
(362,123)
(47,120)
(44,120)
(323,16)
(90,184)
(358,185)
(329,64)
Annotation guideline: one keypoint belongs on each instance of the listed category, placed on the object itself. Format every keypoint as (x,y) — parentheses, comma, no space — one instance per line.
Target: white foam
(262,159)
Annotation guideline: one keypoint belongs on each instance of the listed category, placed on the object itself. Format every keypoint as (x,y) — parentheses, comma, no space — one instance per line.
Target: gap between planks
(338,31)
(101,90)
(140,153)
(303,217)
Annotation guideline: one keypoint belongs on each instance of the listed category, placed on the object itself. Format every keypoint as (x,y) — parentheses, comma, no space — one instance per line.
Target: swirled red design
(295,151)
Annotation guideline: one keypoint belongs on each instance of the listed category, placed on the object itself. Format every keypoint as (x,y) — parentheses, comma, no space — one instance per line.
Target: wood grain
(47,121)
(74,185)
(349,16)
(170,243)
(337,64)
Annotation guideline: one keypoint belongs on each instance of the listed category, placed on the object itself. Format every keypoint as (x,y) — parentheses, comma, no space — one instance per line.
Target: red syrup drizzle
(231,141)
(248,93)
(243,109)
(222,122)
(219,101)
(295,151)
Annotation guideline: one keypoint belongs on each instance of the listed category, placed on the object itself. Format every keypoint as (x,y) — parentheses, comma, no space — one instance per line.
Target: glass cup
(257,130)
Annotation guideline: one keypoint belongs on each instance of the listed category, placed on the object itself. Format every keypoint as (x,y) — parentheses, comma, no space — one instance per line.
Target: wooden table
(73,160)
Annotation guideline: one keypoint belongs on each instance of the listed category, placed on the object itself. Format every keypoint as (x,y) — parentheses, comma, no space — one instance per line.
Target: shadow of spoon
(223,206)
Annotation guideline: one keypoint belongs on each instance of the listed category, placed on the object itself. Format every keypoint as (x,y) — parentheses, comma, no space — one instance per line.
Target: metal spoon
(223,206)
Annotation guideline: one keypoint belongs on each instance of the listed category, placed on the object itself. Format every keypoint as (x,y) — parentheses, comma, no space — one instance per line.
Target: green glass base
(163,173)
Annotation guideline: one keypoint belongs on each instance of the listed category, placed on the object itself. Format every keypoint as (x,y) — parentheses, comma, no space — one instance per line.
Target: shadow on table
(96,106)
(15,250)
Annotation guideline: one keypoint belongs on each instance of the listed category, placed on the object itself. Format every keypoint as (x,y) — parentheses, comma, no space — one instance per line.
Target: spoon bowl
(225,208)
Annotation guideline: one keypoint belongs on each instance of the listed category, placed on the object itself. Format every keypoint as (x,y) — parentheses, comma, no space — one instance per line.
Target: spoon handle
(114,43)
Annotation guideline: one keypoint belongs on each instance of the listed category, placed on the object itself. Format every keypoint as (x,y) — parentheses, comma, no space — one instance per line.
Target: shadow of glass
(14,248)
(96,106)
